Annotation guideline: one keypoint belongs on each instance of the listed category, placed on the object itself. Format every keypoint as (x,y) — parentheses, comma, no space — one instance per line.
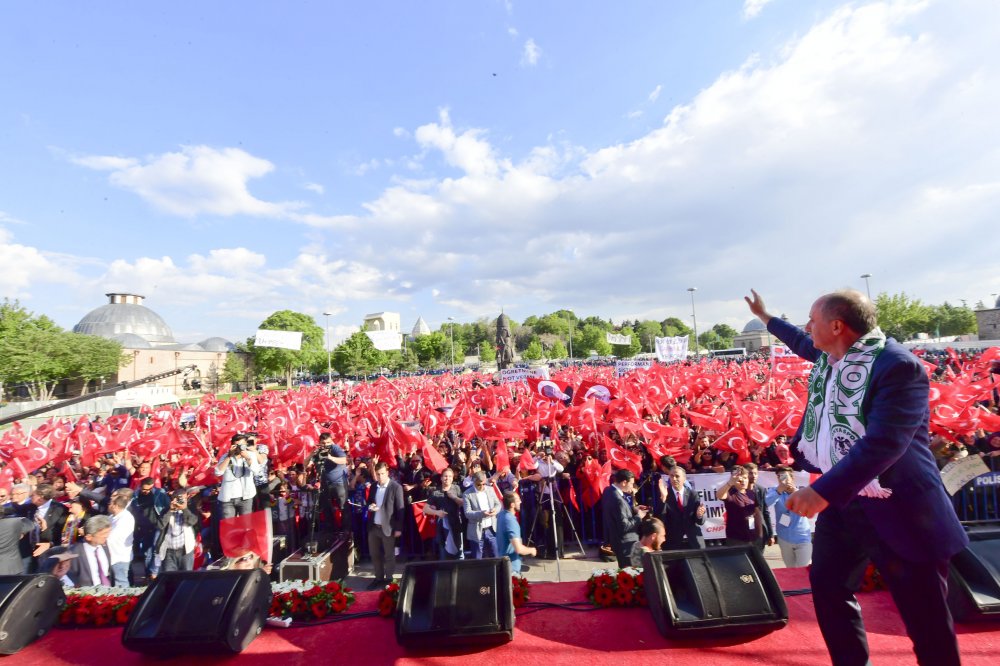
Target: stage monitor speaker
(974,581)
(29,606)
(712,592)
(455,603)
(202,611)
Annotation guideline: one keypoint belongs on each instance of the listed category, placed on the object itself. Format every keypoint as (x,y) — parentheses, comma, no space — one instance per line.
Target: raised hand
(757,306)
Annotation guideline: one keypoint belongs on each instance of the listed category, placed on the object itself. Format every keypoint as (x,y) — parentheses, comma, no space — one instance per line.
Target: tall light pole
(866,277)
(451,327)
(329,364)
(694,317)
(569,320)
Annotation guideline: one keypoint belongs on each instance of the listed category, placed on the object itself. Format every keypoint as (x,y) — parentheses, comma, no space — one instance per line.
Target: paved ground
(575,567)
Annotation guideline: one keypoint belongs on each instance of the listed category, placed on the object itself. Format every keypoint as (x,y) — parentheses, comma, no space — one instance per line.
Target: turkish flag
(546,389)
(433,459)
(988,420)
(157,441)
(599,391)
(622,459)
(527,463)
(700,420)
(734,441)
(249,533)
(425,526)
(501,458)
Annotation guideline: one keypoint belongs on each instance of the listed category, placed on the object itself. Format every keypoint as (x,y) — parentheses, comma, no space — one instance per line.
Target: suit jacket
(55,519)
(621,523)
(79,568)
(918,520)
(682,523)
(474,512)
(392,507)
(12,532)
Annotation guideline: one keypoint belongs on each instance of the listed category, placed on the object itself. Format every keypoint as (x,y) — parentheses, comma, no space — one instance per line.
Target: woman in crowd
(743,516)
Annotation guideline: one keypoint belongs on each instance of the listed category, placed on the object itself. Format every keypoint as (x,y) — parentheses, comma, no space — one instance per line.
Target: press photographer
(236,468)
(331,462)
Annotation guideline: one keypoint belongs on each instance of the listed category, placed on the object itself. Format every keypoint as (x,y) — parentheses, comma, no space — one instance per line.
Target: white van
(157,398)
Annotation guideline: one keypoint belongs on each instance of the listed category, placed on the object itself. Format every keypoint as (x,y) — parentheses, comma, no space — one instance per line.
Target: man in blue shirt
(509,533)
(794,531)
(333,480)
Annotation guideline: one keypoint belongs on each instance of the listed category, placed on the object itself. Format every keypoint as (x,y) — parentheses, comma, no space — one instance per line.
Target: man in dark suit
(621,521)
(880,495)
(683,513)
(13,530)
(92,566)
(49,516)
(385,524)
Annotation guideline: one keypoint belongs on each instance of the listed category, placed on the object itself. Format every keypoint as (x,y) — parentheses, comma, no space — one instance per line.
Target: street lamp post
(569,320)
(866,277)
(329,364)
(451,328)
(694,317)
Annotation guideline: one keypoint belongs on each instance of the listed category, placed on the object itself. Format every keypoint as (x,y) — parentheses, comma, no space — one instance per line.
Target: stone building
(988,322)
(753,337)
(146,336)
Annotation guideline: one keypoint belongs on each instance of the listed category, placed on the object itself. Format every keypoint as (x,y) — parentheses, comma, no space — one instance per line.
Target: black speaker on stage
(712,592)
(455,603)
(203,611)
(974,580)
(29,606)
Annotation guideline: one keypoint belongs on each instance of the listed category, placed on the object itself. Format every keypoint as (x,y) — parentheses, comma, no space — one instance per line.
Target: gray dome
(997,304)
(754,325)
(125,314)
(130,341)
(217,344)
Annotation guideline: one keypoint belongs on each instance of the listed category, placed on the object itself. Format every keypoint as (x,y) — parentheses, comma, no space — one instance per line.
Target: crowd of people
(119,500)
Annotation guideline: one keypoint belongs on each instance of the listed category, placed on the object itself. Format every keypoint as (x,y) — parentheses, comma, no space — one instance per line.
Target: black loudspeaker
(29,606)
(455,603)
(713,592)
(203,611)
(974,580)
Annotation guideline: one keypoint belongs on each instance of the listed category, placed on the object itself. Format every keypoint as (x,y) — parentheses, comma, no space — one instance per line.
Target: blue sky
(229,159)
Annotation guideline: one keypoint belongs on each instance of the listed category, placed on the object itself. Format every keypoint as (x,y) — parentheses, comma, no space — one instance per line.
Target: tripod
(553,485)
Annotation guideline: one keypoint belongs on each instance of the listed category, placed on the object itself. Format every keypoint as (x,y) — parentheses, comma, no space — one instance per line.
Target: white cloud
(512,32)
(9,219)
(197,180)
(25,267)
(314,187)
(633,115)
(751,8)
(531,53)
(655,95)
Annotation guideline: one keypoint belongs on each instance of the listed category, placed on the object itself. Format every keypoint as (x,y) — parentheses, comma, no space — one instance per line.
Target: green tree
(487,352)
(90,357)
(947,319)
(726,334)
(357,356)
(558,350)
(673,327)
(432,349)
(272,360)
(32,351)
(235,369)
(710,340)
(533,352)
(591,338)
(629,350)
(647,332)
(901,317)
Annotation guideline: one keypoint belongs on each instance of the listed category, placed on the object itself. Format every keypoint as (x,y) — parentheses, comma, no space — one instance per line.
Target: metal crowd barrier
(979,500)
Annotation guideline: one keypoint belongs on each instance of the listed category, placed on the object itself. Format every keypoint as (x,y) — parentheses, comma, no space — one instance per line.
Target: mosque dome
(130,341)
(125,315)
(753,326)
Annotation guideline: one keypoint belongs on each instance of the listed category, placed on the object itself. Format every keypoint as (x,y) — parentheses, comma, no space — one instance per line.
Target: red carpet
(546,637)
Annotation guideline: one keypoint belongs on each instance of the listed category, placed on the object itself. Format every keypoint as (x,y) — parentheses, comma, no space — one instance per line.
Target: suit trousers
(844,541)
(487,544)
(382,548)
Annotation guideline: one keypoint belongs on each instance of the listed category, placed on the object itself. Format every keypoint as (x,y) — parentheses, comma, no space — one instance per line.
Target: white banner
(510,375)
(386,340)
(618,339)
(281,339)
(959,472)
(625,366)
(672,349)
(706,486)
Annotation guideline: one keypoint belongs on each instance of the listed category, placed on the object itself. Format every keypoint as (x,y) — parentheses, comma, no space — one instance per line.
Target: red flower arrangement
(310,603)
(98,607)
(616,588)
(521,589)
(387,600)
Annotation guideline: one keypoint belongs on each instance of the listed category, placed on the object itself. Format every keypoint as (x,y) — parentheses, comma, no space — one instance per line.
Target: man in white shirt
(237,468)
(481,507)
(549,503)
(120,539)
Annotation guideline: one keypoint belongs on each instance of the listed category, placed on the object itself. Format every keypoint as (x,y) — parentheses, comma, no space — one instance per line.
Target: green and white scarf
(844,416)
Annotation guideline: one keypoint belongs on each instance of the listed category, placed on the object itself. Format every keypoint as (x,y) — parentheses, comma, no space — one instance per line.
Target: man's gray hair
(96,523)
(479,477)
(851,307)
